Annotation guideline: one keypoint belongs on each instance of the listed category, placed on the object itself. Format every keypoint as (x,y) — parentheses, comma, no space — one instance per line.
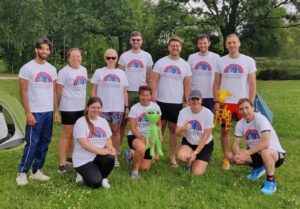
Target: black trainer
(64,169)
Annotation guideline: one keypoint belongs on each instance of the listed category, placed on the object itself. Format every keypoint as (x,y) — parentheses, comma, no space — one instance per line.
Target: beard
(42,56)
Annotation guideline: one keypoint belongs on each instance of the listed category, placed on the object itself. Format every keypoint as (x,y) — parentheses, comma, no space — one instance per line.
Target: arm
(148,75)
(94,90)
(262,144)
(84,142)
(252,86)
(30,119)
(57,88)
(110,147)
(216,87)
(125,94)
(154,84)
(181,129)
(187,84)
(236,145)
(136,133)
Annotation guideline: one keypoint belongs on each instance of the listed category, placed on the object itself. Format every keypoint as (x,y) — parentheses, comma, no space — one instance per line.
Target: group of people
(91,134)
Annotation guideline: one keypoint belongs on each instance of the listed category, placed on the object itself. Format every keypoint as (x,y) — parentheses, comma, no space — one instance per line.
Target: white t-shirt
(40,85)
(138,112)
(203,69)
(74,88)
(199,123)
(170,84)
(251,132)
(234,76)
(111,83)
(81,130)
(136,68)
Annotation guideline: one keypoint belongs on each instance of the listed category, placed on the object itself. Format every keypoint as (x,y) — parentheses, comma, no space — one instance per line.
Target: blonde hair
(110,50)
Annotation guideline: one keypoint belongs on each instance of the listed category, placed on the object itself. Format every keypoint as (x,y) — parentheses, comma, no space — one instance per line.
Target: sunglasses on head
(194,98)
(110,58)
(137,40)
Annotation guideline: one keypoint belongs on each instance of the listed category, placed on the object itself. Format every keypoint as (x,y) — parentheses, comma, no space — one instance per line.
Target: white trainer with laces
(38,175)
(105,183)
(22,179)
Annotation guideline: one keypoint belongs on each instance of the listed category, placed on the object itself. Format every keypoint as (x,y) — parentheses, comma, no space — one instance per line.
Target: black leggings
(96,170)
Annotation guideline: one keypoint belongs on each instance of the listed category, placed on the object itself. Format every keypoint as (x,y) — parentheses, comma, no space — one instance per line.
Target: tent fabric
(261,106)
(13,107)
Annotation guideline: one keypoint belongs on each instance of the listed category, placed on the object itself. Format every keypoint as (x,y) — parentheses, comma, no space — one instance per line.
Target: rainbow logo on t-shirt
(43,77)
(142,118)
(112,78)
(233,68)
(100,133)
(252,134)
(135,64)
(196,125)
(79,80)
(172,69)
(202,66)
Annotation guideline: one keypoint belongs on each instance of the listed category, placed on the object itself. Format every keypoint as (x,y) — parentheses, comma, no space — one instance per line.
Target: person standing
(137,65)
(203,64)
(235,73)
(37,80)
(109,84)
(171,82)
(71,96)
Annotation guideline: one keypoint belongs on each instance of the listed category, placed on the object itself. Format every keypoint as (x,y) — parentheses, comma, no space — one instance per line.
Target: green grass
(162,186)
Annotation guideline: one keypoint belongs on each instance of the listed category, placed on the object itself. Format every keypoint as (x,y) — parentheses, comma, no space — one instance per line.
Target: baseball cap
(195,94)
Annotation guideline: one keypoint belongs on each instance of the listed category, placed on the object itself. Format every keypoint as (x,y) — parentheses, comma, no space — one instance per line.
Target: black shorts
(209,104)
(205,153)
(257,161)
(130,139)
(70,118)
(169,111)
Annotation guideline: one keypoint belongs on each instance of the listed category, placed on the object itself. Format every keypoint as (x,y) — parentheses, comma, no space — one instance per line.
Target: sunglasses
(110,58)
(137,40)
(194,98)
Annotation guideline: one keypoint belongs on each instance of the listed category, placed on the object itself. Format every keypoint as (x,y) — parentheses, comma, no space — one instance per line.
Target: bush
(277,75)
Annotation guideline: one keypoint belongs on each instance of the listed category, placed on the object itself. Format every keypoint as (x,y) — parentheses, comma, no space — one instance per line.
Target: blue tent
(261,106)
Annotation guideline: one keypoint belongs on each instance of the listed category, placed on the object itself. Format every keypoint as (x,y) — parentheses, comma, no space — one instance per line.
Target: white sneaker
(22,179)
(117,163)
(78,178)
(38,175)
(105,183)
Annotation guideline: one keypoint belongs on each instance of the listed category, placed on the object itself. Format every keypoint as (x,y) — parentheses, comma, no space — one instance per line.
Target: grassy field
(162,186)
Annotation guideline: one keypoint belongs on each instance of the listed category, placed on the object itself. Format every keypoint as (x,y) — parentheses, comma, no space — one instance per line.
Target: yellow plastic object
(223,115)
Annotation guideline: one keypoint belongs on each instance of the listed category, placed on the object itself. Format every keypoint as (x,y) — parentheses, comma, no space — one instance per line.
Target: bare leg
(115,128)
(173,142)
(64,143)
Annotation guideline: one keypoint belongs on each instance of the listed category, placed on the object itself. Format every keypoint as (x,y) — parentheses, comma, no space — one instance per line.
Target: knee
(198,172)
(182,156)
(110,159)
(265,153)
(141,149)
(95,184)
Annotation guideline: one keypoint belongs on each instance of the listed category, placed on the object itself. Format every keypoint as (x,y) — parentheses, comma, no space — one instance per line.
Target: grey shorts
(113,117)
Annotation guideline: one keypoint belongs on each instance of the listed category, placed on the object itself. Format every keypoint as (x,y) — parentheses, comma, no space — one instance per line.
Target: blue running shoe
(128,155)
(256,173)
(269,187)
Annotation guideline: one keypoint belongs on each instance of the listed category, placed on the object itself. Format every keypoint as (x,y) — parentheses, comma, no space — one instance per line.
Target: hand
(30,119)
(192,157)
(217,106)
(112,150)
(187,126)
(104,151)
(56,117)
(126,112)
(241,157)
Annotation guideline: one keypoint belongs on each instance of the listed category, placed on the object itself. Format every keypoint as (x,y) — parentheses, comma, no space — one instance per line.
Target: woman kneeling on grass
(138,127)
(94,155)
(196,123)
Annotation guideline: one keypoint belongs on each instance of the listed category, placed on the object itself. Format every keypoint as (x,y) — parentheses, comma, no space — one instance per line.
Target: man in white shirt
(37,80)
(235,73)
(264,152)
(137,65)
(171,82)
(203,64)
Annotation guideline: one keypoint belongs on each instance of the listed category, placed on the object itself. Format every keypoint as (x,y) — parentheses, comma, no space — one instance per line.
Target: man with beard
(203,64)
(37,80)
(171,82)
(137,64)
